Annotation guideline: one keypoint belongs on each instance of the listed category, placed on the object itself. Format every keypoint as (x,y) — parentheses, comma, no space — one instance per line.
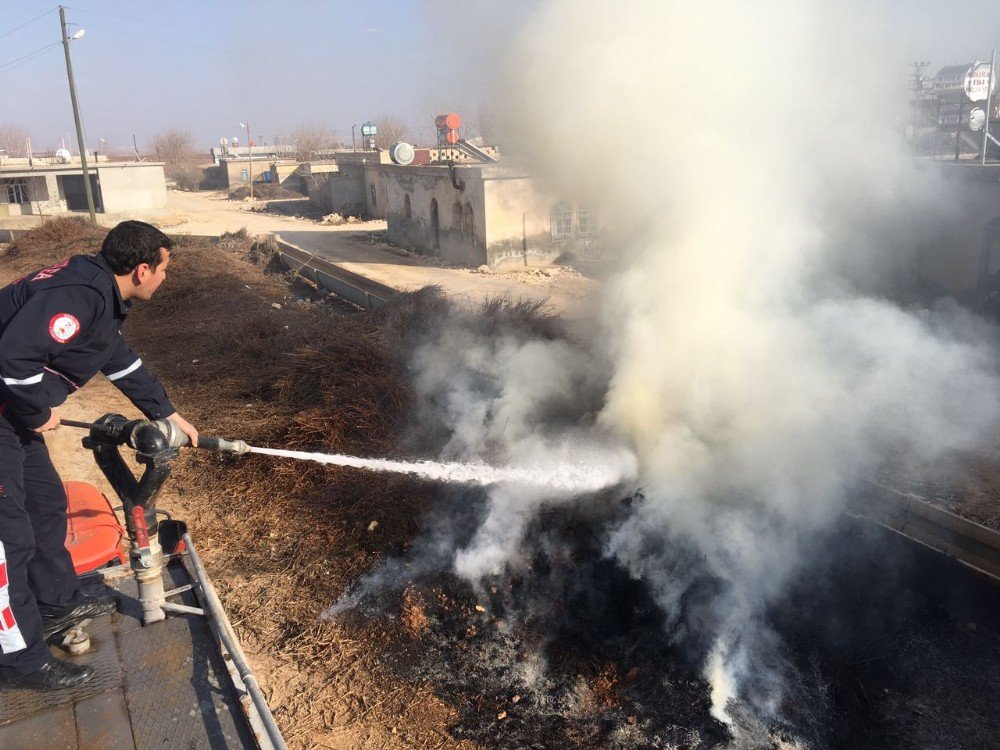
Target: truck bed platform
(165,685)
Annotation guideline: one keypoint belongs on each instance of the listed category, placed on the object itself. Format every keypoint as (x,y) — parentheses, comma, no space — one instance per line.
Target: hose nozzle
(178,439)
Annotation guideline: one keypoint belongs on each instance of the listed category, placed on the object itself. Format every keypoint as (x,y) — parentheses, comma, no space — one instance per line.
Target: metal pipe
(232,644)
(182,608)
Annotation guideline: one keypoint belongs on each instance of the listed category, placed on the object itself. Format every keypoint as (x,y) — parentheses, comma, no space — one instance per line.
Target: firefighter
(58,327)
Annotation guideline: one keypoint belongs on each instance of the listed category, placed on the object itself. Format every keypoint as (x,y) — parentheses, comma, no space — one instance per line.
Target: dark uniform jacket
(58,328)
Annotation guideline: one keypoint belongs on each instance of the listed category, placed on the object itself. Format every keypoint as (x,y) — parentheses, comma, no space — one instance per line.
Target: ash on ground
(569,652)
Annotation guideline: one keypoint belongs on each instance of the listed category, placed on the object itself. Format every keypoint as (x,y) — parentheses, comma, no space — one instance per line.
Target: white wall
(132,186)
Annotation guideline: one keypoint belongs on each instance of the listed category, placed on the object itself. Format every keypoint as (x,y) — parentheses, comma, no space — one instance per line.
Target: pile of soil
(263,191)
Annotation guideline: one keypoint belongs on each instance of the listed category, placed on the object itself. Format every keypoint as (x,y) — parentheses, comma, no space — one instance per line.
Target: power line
(16,28)
(17,61)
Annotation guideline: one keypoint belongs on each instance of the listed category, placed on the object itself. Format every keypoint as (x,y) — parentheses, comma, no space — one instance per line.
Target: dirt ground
(361,248)
(275,572)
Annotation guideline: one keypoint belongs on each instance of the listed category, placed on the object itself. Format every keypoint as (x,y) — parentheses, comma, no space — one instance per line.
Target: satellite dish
(401,153)
(63,155)
(977,118)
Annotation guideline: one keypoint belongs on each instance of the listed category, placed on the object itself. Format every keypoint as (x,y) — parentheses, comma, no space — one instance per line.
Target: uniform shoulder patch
(63,327)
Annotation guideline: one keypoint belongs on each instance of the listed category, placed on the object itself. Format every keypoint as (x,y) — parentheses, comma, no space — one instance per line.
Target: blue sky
(205,66)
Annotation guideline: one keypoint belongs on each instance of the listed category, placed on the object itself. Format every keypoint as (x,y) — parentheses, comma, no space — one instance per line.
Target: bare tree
(13,139)
(390,130)
(175,148)
(484,123)
(311,140)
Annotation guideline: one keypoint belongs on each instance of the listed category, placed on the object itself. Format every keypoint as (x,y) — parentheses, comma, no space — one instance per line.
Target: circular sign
(977,118)
(977,82)
(369,129)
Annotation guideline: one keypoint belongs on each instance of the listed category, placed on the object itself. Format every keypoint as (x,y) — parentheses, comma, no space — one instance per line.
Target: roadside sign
(977,118)
(977,82)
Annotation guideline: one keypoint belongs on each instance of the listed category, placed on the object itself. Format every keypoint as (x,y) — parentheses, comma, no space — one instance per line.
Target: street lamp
(246,126)
(78,34)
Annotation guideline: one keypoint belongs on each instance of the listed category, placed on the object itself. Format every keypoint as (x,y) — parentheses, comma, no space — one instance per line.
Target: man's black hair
(132,243)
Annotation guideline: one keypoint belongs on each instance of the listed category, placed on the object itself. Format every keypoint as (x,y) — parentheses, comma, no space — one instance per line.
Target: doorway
(72,190)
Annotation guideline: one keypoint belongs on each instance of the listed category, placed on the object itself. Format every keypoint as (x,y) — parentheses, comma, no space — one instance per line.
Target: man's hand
(186,427)
(52,424)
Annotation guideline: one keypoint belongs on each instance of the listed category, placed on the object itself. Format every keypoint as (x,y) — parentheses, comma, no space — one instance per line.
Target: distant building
(300,176)
(259,153)
(950,80)
(472,214)
(28,187)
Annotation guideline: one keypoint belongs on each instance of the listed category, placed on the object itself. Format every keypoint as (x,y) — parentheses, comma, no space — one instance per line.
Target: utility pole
(989,105)
(249,156)
(76,117)
(250,159)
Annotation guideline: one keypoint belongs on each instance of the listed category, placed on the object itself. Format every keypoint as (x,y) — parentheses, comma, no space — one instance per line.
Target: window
(407,208)
(372,192)
(17,191)
(456,217)
(585,224)
(561,222)
(244,175)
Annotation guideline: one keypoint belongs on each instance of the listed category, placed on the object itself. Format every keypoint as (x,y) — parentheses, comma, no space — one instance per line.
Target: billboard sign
(977,82)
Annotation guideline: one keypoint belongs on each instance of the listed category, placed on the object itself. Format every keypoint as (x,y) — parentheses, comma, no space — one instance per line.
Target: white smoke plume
(744,164)
(745,158)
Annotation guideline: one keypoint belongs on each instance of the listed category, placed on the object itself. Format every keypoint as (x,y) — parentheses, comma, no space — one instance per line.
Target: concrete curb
(353,287)
(972,544)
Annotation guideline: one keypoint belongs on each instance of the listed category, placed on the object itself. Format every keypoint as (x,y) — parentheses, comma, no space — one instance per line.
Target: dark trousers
(35,565)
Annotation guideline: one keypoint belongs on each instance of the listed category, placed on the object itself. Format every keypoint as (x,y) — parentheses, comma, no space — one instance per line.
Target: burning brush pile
(384,611)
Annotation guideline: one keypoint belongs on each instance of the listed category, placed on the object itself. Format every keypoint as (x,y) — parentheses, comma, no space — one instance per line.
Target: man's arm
(38,332)
(126,370)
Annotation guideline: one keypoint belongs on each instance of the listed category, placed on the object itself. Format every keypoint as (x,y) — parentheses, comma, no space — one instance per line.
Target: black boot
(89,608)
(55,675)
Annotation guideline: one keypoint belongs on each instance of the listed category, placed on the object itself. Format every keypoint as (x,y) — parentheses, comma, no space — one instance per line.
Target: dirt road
(361,248)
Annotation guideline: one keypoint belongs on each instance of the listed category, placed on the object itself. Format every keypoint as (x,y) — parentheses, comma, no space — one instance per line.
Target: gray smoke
(763,198)
(742,159)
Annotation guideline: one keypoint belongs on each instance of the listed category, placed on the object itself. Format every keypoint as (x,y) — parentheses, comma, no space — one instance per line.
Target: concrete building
(481,214)
(259,153)
(232,172)
(356,188)
(300,176)
(43,189)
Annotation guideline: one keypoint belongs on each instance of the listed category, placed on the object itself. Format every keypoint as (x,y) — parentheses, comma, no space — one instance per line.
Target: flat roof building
(46,189)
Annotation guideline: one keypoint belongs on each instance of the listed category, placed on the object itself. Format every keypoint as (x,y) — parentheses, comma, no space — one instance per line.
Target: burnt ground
(889,646)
